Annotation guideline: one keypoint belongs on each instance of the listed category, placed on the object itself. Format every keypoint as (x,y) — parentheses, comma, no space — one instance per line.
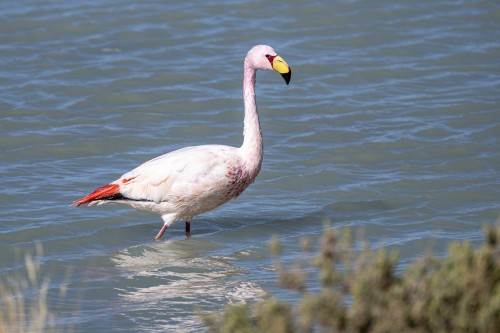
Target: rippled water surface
(391,124)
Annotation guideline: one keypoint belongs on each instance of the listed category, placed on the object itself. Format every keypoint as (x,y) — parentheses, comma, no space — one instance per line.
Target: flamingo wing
(106,192)
(184,173)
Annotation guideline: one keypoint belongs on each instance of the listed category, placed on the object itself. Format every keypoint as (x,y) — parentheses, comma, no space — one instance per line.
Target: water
(390,125)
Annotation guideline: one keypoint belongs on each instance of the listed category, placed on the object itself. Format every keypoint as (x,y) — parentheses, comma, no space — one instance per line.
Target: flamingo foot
(160,233)
(188,229)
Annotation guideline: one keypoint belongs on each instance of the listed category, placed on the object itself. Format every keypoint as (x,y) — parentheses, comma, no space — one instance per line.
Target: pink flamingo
(194,180)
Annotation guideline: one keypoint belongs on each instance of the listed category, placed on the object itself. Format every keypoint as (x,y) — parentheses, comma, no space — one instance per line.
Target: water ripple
(390,125)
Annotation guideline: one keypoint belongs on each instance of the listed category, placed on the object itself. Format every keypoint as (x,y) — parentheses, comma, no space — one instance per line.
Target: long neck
(252,138)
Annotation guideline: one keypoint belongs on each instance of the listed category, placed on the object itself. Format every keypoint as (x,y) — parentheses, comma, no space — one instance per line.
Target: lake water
(390,125)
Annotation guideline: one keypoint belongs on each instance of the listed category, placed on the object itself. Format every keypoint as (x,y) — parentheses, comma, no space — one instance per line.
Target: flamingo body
(193,180)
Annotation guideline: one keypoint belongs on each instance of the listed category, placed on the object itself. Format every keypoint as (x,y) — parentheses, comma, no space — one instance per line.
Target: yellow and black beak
(280,66)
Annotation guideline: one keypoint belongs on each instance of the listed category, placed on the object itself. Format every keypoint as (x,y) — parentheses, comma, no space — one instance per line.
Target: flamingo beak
(280,66)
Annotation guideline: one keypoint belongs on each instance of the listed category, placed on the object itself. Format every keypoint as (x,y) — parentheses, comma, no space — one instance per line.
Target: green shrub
(360,292)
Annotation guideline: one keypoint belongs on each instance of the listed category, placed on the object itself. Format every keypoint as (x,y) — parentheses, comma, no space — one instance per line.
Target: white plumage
(194,180)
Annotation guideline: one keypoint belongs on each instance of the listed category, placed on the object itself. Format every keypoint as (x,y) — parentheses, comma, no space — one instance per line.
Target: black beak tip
(287,77)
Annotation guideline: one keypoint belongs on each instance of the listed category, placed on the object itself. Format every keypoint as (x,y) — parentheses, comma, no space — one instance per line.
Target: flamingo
(194,180)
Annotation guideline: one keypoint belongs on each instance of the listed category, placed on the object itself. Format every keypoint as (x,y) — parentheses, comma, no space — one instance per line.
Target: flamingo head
(264,57)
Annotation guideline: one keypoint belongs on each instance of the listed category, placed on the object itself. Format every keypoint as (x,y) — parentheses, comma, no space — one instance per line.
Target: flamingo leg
(160,233)
(188,229)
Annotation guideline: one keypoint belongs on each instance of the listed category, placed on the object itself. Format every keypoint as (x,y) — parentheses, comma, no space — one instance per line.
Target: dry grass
(360,292)
(23,299)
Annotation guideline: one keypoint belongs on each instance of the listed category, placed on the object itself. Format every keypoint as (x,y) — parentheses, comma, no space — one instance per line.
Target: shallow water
(391,125)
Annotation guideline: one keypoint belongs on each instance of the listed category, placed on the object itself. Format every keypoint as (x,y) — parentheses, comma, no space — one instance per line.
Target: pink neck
(252,138)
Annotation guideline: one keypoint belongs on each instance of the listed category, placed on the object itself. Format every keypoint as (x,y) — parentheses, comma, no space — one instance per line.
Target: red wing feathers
(101,193)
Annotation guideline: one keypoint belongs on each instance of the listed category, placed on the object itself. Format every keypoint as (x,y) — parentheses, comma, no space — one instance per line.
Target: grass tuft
(23,298)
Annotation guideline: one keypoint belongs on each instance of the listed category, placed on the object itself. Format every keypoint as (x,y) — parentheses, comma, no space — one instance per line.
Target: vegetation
(16,313)
(361,292)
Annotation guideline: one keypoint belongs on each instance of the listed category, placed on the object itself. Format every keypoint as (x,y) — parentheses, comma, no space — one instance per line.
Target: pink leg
(160,233)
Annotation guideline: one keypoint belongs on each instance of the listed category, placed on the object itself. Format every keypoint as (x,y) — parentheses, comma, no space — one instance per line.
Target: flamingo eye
(270,58)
